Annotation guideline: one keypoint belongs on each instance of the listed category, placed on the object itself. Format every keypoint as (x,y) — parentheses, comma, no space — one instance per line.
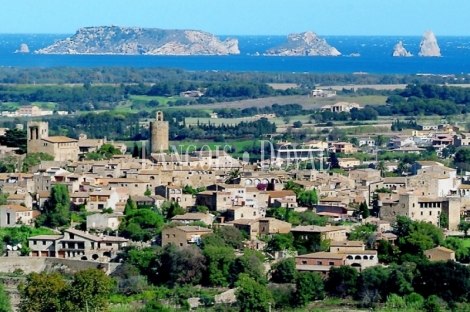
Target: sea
(360,54)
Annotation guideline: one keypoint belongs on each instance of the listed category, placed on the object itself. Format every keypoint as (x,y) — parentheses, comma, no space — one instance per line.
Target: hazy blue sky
(242,17)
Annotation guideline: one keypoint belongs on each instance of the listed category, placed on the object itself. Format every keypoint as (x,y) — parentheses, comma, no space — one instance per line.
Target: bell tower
(36,132)
(159,134)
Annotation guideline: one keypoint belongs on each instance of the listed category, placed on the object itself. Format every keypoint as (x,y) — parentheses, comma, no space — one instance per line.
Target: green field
(236,121)
(163,100)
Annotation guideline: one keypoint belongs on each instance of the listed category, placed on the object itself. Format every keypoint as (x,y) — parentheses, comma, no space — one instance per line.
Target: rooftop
(59,139)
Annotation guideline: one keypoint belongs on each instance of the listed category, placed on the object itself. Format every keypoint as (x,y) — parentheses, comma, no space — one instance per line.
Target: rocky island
(400,51)
(303,44)
(142,41)
(23,48)
(428,46)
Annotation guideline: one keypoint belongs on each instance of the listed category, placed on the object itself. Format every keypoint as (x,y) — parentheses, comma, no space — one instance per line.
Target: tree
(284,271)
(43,293)
(106,151)
(462,156)
(309,287)
(130,206)
(402,278)
(308,198)
(382,168)
(15,138)
(443,220)
(252,264)
(464,227)
(280,242)
(365,212)
(297,124)
(342,281)
(182,266)
(219,261)
(362,232)
(373,285)
(252,296)
(34,159)
(462,253)
(57,208)
(172,209)
(90,290)
(334,163)
(135,151)
(447,280)
(4,300)
(292,186)
(431,304)
(380,140)
(387,252)
(402,168)
(231,236)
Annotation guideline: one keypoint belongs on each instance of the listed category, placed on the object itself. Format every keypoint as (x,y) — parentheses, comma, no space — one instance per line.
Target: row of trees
(421,285)
(135,75)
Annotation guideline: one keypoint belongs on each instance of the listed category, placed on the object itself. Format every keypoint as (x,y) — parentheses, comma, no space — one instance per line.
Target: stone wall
(39,264)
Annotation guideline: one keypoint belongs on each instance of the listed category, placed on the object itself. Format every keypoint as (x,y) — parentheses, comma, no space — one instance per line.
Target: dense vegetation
(116,75)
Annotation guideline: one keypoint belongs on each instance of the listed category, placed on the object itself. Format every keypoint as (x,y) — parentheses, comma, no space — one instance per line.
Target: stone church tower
(36,132)
(159,134)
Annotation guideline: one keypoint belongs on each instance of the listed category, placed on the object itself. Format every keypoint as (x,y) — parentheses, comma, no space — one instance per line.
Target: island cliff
(303,44)
(428,45)
(23,48)
(142,41)
(400,51)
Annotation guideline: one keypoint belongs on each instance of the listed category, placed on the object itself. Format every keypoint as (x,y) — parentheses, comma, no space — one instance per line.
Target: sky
(242,17)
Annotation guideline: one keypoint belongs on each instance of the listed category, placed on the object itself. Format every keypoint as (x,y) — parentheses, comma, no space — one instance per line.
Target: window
(174,235)
(44,242)
(304,262)
(331,263)
(167,235)
(35,242)
(109,244)
(181,244)
(422,213)
(319,263)
(430,213)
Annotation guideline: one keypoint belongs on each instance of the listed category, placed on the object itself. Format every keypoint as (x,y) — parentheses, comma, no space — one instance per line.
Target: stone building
(29,111)
(60,147)
(159,133)
(183,236)
(74,244)
(419,208)
(440,254)
(13,215)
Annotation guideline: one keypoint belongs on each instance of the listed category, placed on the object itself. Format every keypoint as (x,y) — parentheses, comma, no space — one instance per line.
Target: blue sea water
(375,56)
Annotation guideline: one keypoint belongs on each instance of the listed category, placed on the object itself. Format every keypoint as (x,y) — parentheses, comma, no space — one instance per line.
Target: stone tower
(159,134)
(36,132)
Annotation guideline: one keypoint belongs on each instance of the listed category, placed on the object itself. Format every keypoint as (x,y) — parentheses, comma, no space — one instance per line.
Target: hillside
(142,41)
